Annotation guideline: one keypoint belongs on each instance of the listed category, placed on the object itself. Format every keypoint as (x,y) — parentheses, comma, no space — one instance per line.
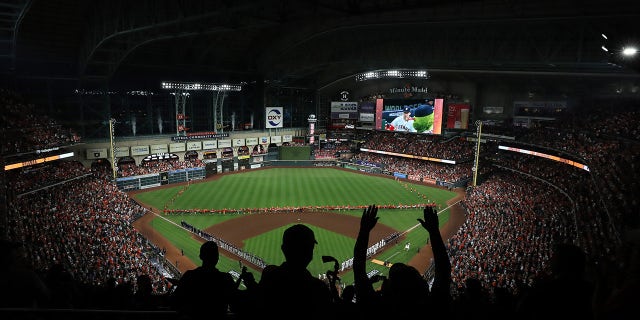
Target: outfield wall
(183,175)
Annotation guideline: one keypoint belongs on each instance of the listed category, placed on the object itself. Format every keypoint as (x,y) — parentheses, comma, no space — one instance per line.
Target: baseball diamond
(236,230)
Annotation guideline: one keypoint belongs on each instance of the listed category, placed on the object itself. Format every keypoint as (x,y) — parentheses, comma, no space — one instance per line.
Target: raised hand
(369,218)
(430,221)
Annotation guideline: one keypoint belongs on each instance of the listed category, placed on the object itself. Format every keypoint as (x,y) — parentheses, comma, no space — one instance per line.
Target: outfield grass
(279,187)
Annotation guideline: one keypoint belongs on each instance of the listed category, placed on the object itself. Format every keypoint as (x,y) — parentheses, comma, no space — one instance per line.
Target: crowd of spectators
(420,169)
(511,226)
(432,146)
(37,177)
(85,226)
(146,167)
(330,151)
(27,130)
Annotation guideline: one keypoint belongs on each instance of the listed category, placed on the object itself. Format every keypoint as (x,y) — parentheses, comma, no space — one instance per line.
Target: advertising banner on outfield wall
(159,148)
(238,142)
(276,139)
(96,153)
(177,147)
(252,141)
(400,175)
(429,180)
(442,183)
(209,144)
(224,144)
(122,152)
(139,150)
(194,145)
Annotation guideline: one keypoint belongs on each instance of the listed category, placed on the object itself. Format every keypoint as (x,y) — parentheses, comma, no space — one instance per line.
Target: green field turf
(279,187)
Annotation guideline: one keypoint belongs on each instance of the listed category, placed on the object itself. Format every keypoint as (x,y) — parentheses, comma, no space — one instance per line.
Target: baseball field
(250,210)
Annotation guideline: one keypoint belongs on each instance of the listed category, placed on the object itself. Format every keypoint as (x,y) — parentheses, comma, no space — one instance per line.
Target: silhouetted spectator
(65,292)
(124,296)
(348,294)
(441,287)
(347,308)
(474,301)
(205,292)
(619,283)
(143,298)
(565,293)
(289,290)
(22,286)
(405,289)
(107,295)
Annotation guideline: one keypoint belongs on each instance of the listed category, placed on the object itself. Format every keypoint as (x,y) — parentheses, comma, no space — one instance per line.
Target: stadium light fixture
(200,86)
(629,51)
(393,74)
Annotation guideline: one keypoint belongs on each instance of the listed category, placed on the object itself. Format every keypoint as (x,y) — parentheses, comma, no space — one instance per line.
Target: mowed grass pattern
(329,244)
(280,187)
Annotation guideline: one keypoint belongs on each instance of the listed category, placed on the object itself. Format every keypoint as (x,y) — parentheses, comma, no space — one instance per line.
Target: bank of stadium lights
(100,92)
(140,93)
(392,74)
(93,92)
(627,51)
(201,86)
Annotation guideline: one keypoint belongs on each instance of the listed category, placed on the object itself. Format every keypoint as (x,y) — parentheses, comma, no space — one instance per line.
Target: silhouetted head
(348,293)
(568,260)
(404,281)
(209,253)
(473,286)
(401,272)
(12,255)
(144,284)
(298,242)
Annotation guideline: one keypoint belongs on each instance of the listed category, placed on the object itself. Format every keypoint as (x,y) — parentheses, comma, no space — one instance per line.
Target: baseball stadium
(237,160)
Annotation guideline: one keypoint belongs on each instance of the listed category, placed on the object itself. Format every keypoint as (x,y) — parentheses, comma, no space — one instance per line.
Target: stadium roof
(312,43)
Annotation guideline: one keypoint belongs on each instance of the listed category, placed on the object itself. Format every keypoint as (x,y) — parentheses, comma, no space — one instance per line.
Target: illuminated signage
(547,156)
(37,161)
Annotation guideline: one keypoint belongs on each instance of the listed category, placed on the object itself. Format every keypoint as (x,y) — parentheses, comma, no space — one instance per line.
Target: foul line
(167,220)
(418,224)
